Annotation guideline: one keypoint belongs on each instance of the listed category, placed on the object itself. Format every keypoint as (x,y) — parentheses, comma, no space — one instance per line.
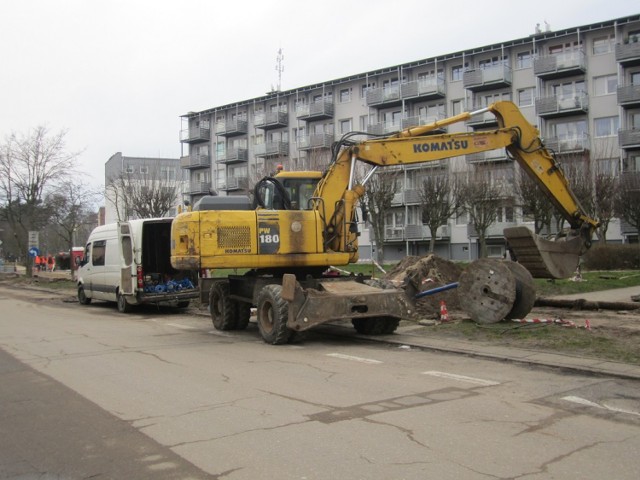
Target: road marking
(353,358)
(178,325)
(462,378)
(604,406)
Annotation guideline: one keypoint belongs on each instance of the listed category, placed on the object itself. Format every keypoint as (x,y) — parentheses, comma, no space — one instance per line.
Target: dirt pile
(417,274)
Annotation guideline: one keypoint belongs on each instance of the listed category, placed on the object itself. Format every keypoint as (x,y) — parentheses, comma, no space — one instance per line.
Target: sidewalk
(613,295)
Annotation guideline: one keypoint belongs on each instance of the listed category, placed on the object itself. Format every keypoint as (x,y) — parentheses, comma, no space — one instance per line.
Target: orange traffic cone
(444,315)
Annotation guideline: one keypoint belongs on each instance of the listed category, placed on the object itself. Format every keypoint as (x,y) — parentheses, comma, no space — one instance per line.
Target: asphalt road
(88,392)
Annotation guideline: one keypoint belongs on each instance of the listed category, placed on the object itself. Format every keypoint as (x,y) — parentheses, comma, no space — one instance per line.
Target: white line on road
(351,357)
(462,378)
(589,403)
(178,325)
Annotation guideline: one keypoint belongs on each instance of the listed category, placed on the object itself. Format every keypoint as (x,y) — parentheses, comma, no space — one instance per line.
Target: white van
(129,263)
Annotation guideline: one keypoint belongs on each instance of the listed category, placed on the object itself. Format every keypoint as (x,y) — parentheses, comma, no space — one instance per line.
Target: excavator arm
(337,194)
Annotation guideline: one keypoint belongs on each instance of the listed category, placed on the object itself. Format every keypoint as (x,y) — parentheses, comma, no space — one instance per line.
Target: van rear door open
(127,276)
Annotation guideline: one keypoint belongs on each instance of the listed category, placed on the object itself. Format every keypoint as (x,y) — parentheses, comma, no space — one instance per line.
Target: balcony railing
(272,149)
(482,119)
(319,110)
(195,161)
(271,120)
(562,105)
(232,155)
(384,128)
(629,95)
(563,145)
(628,54)
(231,128)
(316,140)
(424,89)
(422,232)
(195,134)
(629,138)
(560,65)
(488,78)
(199,188)
(406,197)
(418,120)
(234,183)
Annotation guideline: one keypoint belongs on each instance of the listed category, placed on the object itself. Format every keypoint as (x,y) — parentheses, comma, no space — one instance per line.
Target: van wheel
(123,306)
(223,309)
(82,297)
(273,312)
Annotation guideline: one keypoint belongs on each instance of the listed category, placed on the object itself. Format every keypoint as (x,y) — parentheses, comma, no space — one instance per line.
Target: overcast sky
(117,74)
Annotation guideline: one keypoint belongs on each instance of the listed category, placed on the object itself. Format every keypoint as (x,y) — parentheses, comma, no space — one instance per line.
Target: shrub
(612,257)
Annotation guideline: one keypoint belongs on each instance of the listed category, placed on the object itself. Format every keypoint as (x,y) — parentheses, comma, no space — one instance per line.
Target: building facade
(127,177)
(580,86)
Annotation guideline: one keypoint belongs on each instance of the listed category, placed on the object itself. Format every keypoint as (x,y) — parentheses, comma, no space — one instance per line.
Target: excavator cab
(287,190)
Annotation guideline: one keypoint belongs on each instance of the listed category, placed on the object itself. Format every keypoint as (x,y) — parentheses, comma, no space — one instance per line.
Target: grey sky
(117,74)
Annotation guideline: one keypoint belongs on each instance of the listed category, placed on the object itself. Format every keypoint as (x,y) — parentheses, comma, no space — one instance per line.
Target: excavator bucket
(544,258)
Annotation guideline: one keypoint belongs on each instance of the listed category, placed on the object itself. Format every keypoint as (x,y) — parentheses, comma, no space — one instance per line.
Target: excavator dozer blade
(544,258)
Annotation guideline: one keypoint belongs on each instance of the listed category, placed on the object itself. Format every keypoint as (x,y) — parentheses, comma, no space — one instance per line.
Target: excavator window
(300,191)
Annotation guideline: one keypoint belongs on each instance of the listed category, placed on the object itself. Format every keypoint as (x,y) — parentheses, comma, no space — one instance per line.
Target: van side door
(128,277)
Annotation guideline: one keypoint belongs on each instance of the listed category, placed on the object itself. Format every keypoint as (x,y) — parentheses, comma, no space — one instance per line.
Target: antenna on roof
(279,68)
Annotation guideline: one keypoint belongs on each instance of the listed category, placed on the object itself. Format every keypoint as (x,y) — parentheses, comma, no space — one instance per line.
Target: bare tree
(533,201)
(606,186)
(439,201)
(71,208)
(627,200)
(480,197)
(30,165)
(381,189)
(148,195)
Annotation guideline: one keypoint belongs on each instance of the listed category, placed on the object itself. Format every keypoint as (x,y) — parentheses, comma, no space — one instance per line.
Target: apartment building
(135,174)
(580,86)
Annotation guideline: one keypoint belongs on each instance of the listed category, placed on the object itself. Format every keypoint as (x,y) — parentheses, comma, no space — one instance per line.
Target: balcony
(392,234)
(629,139)
(195,134)
(384,97)
(271,120)
(272,149)
(384,128)
(491,156)
(231,128)
(628,54)
(199,188)
(406,197)
(232,155)
(195,161)
(562,105)
(233,184)
(564,145)
(486,119)
(422,232)
(559,65)
(419,120)
(629,96)
(495,230)
(319,110)
(316,140)
(489,78)
(425,89)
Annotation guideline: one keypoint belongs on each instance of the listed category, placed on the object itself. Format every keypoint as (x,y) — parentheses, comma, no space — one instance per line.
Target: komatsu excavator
(301,223)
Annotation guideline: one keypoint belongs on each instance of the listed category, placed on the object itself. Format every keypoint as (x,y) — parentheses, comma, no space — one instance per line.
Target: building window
(345,95)
(364,122)
(456,73)
(603,44)
(129,169)
(523,60)
(608,166)
(144,169)
(345,126)
(365,88)
(605,85)
(456,107)
(606,126)
(631,163)
(525,97)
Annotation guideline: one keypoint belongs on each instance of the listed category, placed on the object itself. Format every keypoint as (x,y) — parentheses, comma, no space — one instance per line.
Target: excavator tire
(223,309)
(375,325)
(273,313)
(243,316)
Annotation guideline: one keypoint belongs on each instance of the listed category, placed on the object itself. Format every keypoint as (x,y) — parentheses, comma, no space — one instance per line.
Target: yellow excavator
(301,223)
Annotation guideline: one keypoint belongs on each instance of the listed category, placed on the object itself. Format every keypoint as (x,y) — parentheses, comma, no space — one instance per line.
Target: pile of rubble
(417,274)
